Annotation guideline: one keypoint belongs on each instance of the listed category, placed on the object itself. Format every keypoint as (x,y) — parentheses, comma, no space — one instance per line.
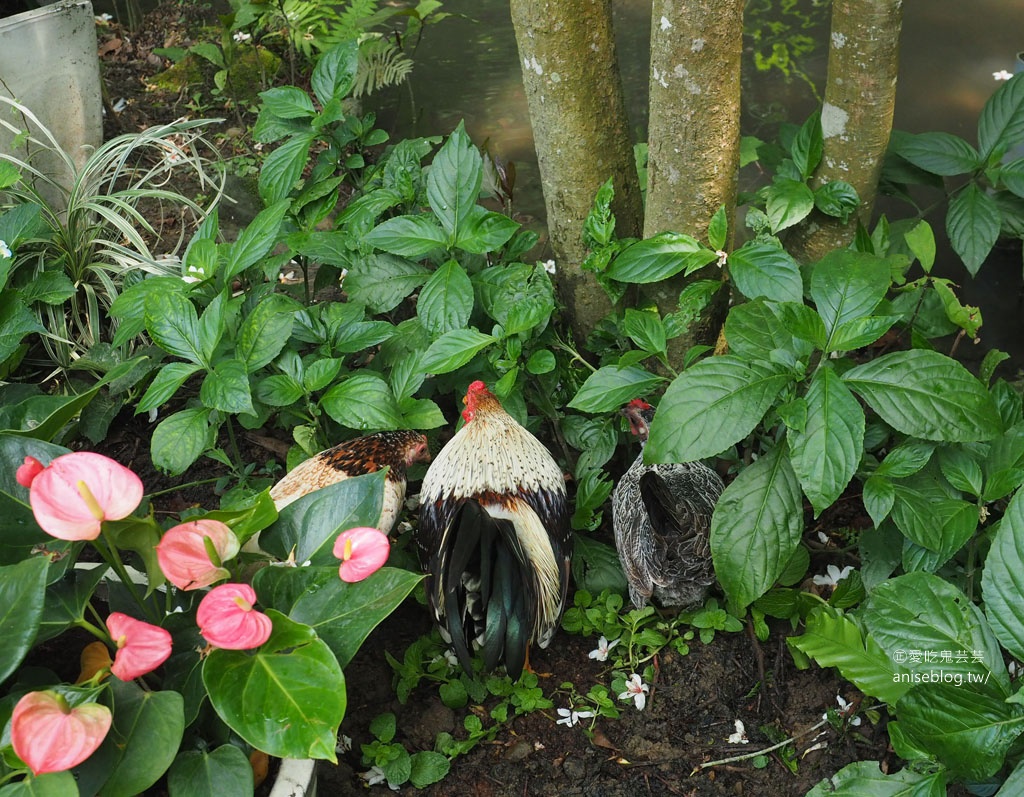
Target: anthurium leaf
(52,784)
(711,406)
(1002,119)
(172,322)
(22,595)
(761,269)
(967,726)
(453,350)
(1001,580)
(939,153)
(756,527)
(309,525)
(408,236)
(926,394)
(973,222)
(834,640)
(446,299)
(41,416)
(66,601)
(226,387)
(143,739)
(225,771)
(179,439)
(922,612)
(611,387)
(343,615)
(363,401)
(453,182)
(865,779)
(287,698)
(826,453)
(658,258)
(847,285)
(265,331)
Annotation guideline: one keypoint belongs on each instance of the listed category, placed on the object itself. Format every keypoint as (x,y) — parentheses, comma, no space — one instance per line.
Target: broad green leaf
(49,287)
(596,567)
(179,439)
(420,414)
(282,170)
(279,390)
(446,299)
(972,223)
(16,321)
(1014,784)
(428,767)
(172,322)
(847,285)
(1002,580)
(453,350)
(711,406)
(859,332)
(807,145)
(926,394)
(287,102)
(961,470)
(255,240)
(865,779)
(718,229)
(42,416)
(1001,123)
(408,236)
(343,615)
(939,153)
(838,199)
(320,373)
(921,241)
(803,323)
(788,202)
(363,401)
(22,592)
(966,726)
(52,784)
(756,527)
(265,331)
(335,72)
(836,641)
(826,454)
(646,329)
(905,459)
(879,496)
(225,771)
(1012,176)
(483,231)
(382,281)
(66,601)
(761,269)
(453,182)
(287,698)
(611,387)
(226,388)
(658,258)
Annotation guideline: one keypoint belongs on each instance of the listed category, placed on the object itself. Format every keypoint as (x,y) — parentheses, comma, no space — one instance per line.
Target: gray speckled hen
(661,515)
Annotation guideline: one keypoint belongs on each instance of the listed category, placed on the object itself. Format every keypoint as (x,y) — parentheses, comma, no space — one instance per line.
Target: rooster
(494,537)
(661,515)
(397,450)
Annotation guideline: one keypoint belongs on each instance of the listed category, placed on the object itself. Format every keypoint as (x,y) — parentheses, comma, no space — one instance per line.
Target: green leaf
(408,236)
(381,282)
(754,330)
(49,287)
(610,387)
(826,454)
(838,199)
(428,767)
(756,527)
(865,779)
(224,771)
(165,384)
(172,322)
(1001,124)
(926,394)
(939,153)
(453,350)
(22,591)
(808,145)
(658,258)
(279,390)
(483,231)
(761,269)
(541,362)
(265,331)
(179,439)
(847,286)
(335,72)
(1002,580)
(420,414)
(363,401)
(282,169)
(711,406)
(718,229)
(859,332)
(788,202)
(879,497)
(42,417)
(646,329)
(972,223)
(446,299)
(1012,176)
(906,459)
(343,615)
(287,698)
(255,240)
(453,182)
(226,388)
(287,102)
(834,640)
(52,784)
(921,241)
(596,567)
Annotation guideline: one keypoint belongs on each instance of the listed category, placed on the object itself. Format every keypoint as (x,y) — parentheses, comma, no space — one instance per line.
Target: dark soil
(694,699)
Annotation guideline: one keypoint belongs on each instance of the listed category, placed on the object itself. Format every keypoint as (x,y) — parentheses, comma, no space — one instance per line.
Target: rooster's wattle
(494,537)
(397,450)
(661,515)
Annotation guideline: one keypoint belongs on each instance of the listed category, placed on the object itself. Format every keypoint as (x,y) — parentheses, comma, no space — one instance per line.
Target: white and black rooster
(494,537)
(661,515)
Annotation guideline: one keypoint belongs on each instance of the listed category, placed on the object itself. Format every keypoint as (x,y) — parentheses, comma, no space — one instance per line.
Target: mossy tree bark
(856,117)
(694,135)
(574,92)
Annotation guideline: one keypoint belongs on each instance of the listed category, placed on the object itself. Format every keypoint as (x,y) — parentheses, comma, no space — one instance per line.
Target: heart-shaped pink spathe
(227,619)
(141,647)
(50,736)
(184,558)
(362,551)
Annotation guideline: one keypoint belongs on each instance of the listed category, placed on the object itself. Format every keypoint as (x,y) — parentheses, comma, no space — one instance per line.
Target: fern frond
(381,64)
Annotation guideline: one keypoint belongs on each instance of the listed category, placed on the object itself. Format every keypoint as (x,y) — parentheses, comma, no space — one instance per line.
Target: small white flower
(412,502)
(570,717)
(241,36)
(1002,74)
(549,266)
(1012,668)
(723,257)
(195,274)
(740,737)
(603,646)
(258,146)
(120,105)
(823,538)
(344,744)
(103,19)
(833,576)
(375,775)
(153,414)
(636,690)
(845,711)
(449,657)
(5,250)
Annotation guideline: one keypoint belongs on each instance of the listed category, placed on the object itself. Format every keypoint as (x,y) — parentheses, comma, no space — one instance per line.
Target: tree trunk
(693,143)
(856,117)
(581,133)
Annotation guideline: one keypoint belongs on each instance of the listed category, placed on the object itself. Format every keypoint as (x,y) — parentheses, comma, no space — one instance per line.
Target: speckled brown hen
(661,515)
(397,450)
(494,537)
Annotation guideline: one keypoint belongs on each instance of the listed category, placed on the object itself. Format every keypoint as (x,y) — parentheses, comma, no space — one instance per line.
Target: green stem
(112,557)
(181,487)
(99,633)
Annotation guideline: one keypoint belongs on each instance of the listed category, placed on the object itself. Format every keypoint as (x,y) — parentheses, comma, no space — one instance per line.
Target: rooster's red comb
(639,404)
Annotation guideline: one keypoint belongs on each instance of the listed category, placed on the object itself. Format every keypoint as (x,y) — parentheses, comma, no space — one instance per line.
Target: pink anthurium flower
(188,560)
(76,492)
(50,736)
(27,471)
(141,647)
(227,619)
(362,551)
